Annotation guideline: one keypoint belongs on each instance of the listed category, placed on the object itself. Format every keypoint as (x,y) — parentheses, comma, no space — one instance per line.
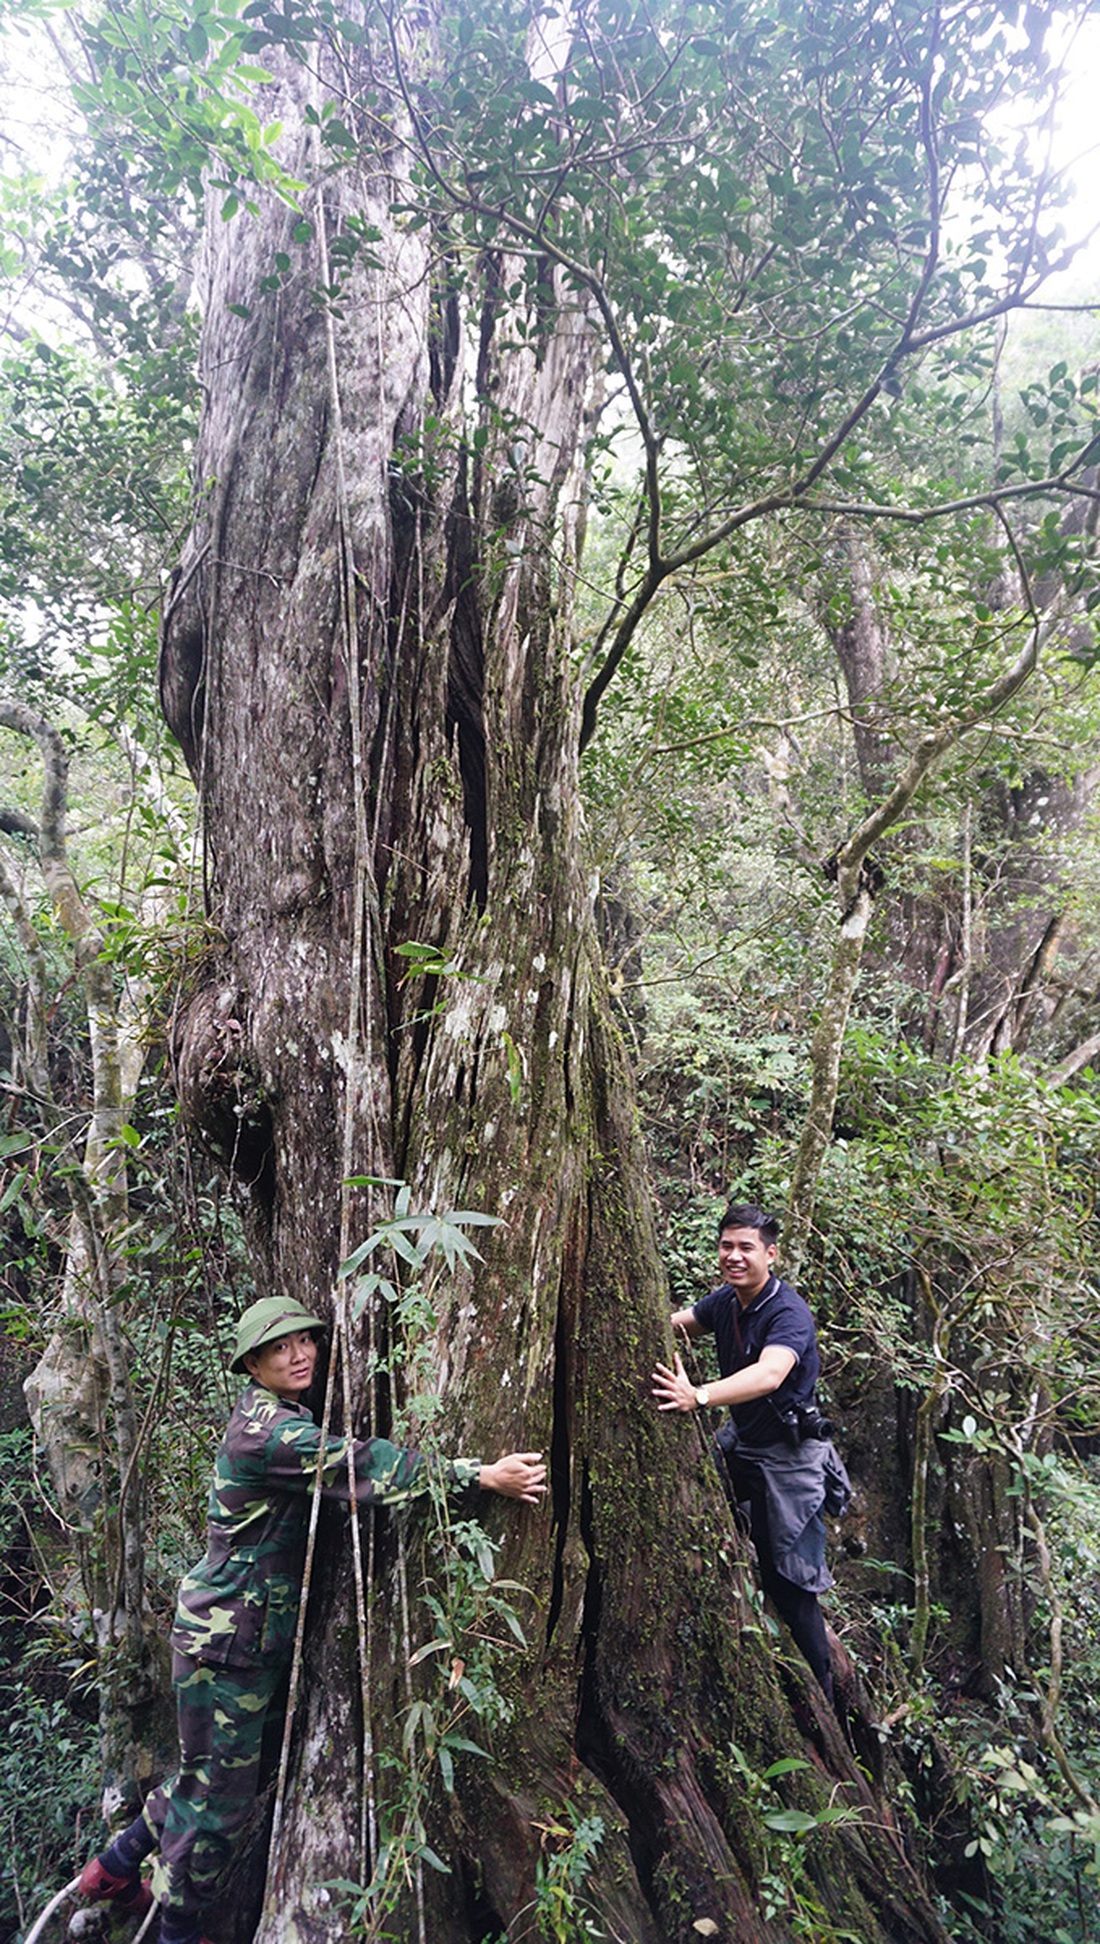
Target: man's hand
(518,1475)
(674,1389)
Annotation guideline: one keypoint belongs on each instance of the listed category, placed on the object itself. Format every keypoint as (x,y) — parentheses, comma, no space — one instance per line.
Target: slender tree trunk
(859,641)
(79,1395)
(825,1057)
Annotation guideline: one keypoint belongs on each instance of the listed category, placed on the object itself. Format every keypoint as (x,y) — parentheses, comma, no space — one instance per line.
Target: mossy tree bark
(366,658)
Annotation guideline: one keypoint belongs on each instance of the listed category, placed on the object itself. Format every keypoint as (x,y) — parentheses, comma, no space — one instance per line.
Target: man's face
(745,1260)
(285,1365)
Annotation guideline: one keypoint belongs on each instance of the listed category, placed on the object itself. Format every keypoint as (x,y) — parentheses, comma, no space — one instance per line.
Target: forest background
(752,429)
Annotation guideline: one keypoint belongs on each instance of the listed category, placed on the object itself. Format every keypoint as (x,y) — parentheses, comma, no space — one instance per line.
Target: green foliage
(49,1754)
(49,1768)
(982,1176)
(467,1608)
(414,1237)
(89,482)
(786,1890)
(1041,1854)
(471,1613)
(560,1912)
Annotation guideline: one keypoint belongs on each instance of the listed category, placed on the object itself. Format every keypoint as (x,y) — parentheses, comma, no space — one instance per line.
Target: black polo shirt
(776,1315)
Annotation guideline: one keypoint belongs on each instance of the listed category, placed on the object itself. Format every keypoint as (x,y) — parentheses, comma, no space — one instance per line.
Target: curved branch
(932,745)
(1082,1055)
(14,824)
(988,501)
(856,891)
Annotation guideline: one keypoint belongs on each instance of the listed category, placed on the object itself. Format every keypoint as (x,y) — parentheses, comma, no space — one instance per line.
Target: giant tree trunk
(367,662)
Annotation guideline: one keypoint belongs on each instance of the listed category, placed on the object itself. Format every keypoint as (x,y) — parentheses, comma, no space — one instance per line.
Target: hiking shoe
(129,1893)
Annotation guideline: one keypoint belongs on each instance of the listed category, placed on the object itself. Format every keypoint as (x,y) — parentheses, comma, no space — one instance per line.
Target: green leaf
(419,1716)
(13,1190)
(436,1862)
(462,1745)
(439,1646)
(794,1822)
(358,1256)
(400,1244)
(370,1285)
(511,1621)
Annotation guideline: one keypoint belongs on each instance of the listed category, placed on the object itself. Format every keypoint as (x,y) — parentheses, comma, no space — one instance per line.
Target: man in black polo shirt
(779,1464)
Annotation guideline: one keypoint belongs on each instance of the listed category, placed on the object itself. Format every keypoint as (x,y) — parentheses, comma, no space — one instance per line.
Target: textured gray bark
(367,660)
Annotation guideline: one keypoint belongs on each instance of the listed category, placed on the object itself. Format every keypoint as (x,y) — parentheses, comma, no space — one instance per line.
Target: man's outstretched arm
(674,1390)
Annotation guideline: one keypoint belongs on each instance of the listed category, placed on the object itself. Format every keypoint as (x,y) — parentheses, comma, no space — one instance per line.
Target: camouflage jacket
(240,1603)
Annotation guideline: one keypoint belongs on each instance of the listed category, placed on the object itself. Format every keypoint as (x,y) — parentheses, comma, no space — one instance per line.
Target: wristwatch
(702,1397)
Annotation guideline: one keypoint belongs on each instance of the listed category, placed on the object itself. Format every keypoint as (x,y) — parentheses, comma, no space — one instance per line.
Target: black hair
(748,1215)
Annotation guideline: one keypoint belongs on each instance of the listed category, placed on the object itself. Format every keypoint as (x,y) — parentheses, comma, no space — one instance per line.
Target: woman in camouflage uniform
(233,1636)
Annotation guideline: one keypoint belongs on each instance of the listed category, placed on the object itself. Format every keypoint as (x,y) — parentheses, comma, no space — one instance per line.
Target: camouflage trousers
(196,1817)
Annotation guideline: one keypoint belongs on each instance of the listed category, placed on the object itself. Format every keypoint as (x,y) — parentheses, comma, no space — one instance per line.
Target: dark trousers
(796,1607)
(196,1817)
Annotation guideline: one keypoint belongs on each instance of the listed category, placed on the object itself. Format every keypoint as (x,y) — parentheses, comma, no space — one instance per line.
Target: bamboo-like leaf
(438,1646)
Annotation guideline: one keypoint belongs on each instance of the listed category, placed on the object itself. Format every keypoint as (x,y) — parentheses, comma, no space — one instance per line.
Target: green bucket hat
(272,1316)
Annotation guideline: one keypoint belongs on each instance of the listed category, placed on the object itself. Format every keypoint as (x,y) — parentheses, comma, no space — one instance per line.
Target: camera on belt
(798,1424)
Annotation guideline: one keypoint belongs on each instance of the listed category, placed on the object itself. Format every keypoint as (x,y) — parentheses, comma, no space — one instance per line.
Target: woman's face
(285,1365)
